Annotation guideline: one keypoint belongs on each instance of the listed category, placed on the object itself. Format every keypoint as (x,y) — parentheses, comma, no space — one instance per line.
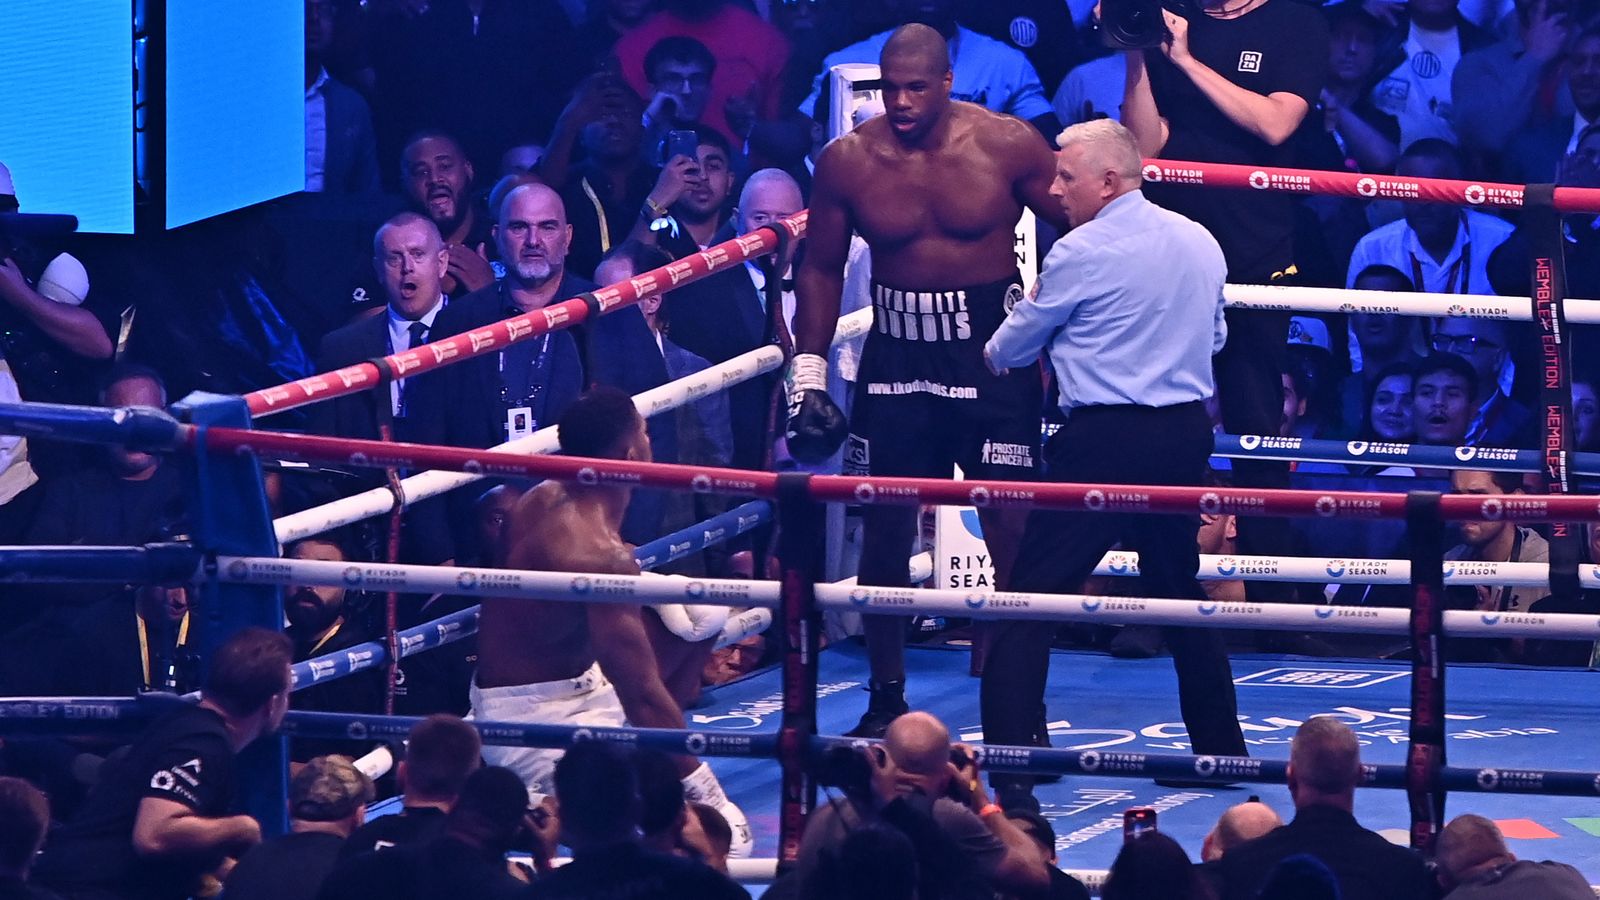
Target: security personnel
(1131,343)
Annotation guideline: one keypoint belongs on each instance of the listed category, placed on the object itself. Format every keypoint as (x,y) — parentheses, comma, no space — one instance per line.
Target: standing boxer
(935,188)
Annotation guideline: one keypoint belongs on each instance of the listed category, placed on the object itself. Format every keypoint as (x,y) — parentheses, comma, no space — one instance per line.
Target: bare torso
(940,216)
(533,641)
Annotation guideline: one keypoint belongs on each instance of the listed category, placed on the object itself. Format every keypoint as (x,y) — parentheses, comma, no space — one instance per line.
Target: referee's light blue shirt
(1130,306)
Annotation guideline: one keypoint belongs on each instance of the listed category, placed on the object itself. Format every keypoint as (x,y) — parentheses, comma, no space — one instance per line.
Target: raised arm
(1139,112)
(1271,117)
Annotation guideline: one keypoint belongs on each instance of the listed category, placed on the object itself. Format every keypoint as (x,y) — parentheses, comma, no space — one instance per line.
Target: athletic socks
(701,786)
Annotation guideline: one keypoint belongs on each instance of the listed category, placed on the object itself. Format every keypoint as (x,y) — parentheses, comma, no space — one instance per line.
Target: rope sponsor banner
(1313,182)
(1284,298)
(1387,453)
(1349,570)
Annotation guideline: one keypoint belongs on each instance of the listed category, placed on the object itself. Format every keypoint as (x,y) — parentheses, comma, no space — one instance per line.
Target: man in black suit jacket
(725,315)
(1324,766)
(410,259)
(503,396)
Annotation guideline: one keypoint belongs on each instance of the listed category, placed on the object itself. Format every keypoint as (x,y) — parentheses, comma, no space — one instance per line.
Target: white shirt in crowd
(1417,92)
(1092,91)
(1579,125)
(986,72)
(316,133)
(400,341)
(1464,269)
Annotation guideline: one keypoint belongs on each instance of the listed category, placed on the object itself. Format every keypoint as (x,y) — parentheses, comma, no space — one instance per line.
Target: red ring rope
(887,491)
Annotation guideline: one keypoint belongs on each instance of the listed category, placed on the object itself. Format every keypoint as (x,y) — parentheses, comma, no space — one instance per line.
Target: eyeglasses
(1463,344)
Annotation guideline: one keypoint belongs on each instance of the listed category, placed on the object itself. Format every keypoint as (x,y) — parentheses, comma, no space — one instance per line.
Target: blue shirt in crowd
(1130,304)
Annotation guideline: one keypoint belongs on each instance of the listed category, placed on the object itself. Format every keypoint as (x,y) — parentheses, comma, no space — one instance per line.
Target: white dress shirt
(400,341)
(316,133)
(1464,269)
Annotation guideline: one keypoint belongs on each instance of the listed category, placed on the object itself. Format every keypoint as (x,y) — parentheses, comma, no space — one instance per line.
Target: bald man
(1243,822)
(1475,864)
(1324,768)
(919,764)
(725,315)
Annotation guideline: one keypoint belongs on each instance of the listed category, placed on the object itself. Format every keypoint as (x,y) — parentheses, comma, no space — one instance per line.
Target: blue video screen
(235,105)
(67,133)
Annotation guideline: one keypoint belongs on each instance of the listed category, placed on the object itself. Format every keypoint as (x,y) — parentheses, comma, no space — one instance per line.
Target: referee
(1129,307)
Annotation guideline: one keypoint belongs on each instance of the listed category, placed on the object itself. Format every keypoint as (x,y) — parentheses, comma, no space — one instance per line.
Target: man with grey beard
(526,386)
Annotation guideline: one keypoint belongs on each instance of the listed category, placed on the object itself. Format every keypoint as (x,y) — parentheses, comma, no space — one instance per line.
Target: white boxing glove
(693,622)
(701,786)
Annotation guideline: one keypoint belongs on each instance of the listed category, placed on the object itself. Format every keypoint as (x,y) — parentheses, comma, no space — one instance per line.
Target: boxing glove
(701,786)
(693,622)
(816,427)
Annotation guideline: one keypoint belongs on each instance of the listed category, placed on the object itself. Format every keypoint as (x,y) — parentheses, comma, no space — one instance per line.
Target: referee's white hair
(1110,147)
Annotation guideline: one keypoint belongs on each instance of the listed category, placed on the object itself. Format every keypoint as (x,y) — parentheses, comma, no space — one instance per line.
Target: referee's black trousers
(1115,445)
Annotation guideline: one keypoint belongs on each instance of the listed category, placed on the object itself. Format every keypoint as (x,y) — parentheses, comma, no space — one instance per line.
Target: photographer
(1230,84)
(46,335)
(921,784)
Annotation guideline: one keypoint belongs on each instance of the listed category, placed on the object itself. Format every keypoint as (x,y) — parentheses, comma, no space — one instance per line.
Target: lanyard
(145,659)
(599,214)
(325,638)
(1462,267)
(531,380)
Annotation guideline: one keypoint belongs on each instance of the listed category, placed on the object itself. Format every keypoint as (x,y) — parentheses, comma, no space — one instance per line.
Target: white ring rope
(893,601)
(379,501)
(1347,570)
(1402,303)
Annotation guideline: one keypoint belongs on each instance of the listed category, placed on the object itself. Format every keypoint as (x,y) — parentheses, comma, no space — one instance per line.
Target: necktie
(419,336)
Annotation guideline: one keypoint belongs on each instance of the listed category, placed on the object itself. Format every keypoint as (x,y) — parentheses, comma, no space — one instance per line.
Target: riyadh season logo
(860,597)
(701,484)
(1227,566)
(467,581)
(1335,568)
(1326,506)
(580,586)
(1095,500)
(865,492)
(1089,761)
(695,743)
(978,496)
(1324,612)
(238,569)
(1210,503)
(1152,173)
(352,576)
(976,601)
(1249,441)
(1091,604)
(1367,187)
(1205,766)
(1475,194)
(1466,454)
(1356,448)
(1259,180)
(587,475)
(1492,509)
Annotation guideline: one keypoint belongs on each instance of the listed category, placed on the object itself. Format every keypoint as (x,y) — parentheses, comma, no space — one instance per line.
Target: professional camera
(1137,24)
(846,768)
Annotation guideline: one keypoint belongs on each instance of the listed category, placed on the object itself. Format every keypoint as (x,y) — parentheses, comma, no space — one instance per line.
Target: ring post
(229,516)
(1425,756)
(799,544)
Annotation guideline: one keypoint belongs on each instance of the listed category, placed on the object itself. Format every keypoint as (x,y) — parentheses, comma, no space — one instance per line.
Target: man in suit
(725,315)
(1535,156)
(341,151)
(504,396)
(1324,766)
(410,259)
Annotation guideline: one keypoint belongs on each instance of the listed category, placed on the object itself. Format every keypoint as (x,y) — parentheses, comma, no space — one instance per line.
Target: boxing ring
(1399,710)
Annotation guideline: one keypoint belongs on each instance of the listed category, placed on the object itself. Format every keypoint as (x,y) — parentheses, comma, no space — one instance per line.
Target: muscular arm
(1272,118)
(73,327)
(1038,171)
(167,827)
(622,648)
(819,284)
(1139,111)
